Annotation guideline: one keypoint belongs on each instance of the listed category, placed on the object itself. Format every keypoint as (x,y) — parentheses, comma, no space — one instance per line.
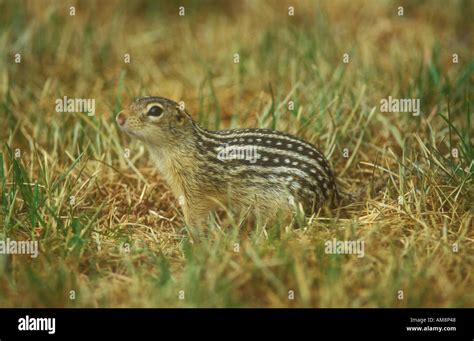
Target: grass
(110,232)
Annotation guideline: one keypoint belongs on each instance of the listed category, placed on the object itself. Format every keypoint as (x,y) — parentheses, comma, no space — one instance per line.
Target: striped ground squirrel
(258,169)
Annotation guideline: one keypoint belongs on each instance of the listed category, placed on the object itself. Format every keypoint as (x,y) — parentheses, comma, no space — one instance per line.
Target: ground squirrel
(261,169)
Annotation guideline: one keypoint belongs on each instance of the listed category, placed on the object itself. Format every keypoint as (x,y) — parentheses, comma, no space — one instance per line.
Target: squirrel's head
(156,121)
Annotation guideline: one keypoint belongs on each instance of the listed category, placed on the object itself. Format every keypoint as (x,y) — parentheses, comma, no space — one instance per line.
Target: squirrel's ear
(180,117)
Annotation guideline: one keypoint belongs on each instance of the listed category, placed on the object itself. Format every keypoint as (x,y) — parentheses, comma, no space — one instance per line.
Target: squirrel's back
(263,162)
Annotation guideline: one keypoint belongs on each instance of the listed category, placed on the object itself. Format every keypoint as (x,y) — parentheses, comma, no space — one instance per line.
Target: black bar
(299,323)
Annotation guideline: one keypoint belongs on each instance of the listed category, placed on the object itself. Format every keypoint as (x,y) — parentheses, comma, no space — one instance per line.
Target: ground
(111,234)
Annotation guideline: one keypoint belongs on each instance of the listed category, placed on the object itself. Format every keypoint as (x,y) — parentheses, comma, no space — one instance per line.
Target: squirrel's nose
(121,118)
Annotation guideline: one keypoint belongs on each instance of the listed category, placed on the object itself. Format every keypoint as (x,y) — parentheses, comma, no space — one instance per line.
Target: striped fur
(280,154)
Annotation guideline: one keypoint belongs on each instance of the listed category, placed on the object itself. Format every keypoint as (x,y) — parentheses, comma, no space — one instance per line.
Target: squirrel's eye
(155,111)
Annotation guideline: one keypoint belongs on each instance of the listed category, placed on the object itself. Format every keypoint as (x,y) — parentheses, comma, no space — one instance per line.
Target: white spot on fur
(295,185)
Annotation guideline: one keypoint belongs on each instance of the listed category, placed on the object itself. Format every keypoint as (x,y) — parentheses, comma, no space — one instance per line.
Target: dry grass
(122,202)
